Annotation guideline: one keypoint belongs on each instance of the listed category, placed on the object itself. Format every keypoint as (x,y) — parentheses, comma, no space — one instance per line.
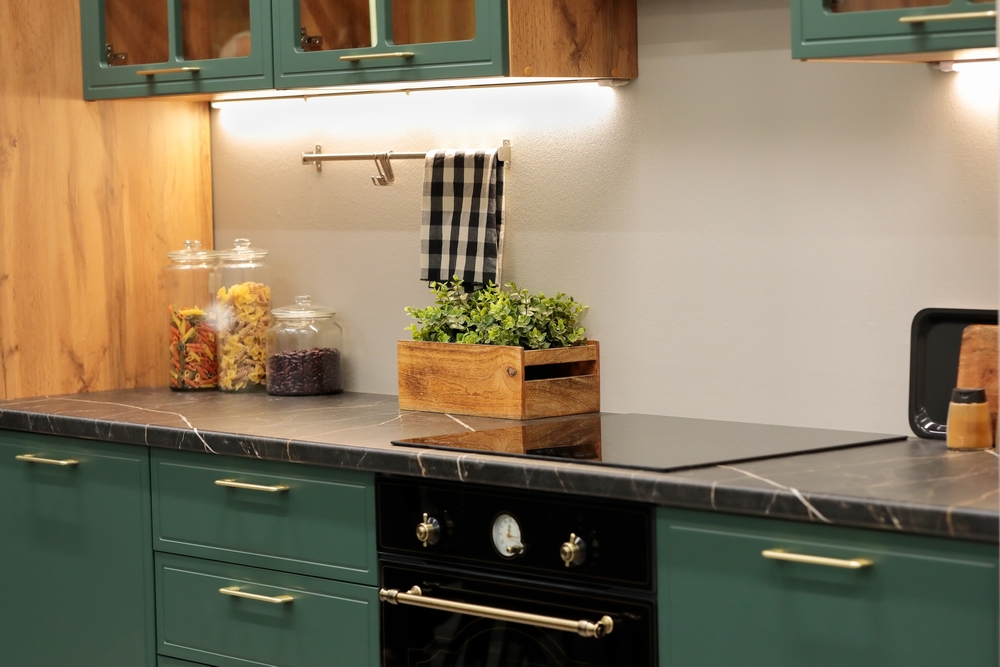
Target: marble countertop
(914,486)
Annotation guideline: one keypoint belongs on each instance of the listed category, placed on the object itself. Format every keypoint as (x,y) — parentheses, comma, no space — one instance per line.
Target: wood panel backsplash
(586,38)
(92,196)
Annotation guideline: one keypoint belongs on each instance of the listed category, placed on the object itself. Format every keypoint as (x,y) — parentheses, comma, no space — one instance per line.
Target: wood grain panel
(587,38)
(493,381)
(977,362)
(562,396)
(561,355)
(466,379)
(343,24)
(209,26)
(92,196)
(136,27)
(429,21)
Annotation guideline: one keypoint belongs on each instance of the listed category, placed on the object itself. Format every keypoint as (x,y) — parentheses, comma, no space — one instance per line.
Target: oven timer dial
(507,536)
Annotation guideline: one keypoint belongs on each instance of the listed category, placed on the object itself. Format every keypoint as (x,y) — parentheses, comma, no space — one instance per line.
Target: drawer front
(321,624)
(320,522)
(820,33)
(922,602)
(76,566)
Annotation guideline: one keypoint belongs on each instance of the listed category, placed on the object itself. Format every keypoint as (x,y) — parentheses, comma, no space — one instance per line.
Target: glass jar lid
(304,309)
(192,253)
(241,252)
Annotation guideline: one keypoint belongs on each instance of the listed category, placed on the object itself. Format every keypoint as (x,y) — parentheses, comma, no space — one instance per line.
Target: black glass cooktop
(650,442)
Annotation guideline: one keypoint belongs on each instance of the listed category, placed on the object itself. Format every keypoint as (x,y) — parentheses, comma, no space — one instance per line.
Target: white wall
(753,235)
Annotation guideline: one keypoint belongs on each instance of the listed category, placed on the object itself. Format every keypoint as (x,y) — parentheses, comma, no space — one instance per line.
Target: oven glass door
(436,635)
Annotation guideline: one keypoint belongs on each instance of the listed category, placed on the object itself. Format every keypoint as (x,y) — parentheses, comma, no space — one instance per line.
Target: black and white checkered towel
(461,230)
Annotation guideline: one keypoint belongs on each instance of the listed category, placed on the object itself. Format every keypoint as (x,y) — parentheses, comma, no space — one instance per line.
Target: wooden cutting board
(977,362)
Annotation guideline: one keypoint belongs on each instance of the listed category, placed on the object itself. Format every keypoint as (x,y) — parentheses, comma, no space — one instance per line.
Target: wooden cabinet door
(851,28)
(335,42)
(76,570)
(137,48)
(922,602)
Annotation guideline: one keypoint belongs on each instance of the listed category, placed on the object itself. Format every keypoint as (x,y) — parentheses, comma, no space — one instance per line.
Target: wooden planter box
(499,381)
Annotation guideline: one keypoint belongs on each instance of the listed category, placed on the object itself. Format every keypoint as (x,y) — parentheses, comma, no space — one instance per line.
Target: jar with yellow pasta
(244,314)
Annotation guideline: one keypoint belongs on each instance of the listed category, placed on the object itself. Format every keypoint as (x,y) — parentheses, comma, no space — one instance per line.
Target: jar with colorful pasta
(190,287)
(243,304)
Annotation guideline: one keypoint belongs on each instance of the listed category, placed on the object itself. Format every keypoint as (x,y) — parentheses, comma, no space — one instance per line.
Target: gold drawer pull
(928,18)
(851,564)
(169,70)
(378,56)
(31,458)
(237,593)
(233,484)
(415,598)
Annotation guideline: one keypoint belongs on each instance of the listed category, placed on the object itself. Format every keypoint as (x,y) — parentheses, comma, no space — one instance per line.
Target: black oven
(483,577)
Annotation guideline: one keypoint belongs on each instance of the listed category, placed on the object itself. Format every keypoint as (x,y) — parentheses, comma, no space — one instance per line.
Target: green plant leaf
(498,316)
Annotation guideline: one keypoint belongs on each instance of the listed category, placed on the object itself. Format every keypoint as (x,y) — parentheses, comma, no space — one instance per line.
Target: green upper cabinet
(904,30)
(148,48)
(768,593)
(76,582)
(138,48)
(335,42)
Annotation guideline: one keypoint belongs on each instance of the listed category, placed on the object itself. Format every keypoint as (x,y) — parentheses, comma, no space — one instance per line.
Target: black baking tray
(935,343)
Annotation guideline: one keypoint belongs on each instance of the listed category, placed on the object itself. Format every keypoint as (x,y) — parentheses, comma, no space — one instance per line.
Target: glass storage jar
(190,286)
(304,351)
(244,313)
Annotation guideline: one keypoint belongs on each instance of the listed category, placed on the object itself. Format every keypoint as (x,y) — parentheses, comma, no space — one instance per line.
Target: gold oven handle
(31,458)
(963,16)
(378,56)
(233,484)
(847,564)
(414,597)
(237,593)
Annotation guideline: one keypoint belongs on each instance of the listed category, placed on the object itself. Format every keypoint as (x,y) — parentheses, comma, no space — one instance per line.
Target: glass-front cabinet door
(335,42)
(135,48)
(852,28)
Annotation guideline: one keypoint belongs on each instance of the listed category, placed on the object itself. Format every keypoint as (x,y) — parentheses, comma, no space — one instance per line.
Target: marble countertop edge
(768,499)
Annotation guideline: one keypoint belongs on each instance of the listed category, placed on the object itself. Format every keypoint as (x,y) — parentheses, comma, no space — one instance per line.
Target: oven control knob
(429,532)
(574,552)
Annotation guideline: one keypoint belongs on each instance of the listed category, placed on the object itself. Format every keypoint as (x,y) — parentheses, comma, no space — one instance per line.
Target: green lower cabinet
(229,615)
(76,585)
(914,602)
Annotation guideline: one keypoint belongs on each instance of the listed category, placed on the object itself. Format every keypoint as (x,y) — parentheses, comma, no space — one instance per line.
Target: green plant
(495,316)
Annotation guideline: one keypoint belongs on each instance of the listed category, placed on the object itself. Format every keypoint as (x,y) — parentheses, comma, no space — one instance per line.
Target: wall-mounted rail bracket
(318,157)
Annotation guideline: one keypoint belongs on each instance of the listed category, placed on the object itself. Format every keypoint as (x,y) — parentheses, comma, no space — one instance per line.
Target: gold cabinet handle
(233,484)
(237,593)
(847,564)
(169,70)
(31,458)
(963,16)
(415,598)
(378,56)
